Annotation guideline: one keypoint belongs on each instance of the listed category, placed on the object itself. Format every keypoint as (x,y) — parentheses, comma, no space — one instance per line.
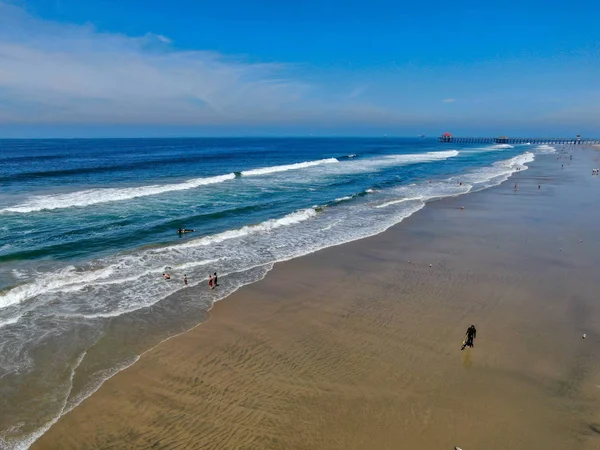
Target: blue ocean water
(87,227)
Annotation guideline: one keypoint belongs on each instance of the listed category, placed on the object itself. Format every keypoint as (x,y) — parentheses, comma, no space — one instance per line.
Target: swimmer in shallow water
(166,276)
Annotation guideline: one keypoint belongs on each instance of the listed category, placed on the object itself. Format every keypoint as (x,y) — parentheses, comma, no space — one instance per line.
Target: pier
(447,137)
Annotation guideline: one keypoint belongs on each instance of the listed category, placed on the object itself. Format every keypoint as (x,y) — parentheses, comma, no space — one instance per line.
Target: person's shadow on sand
(467,362)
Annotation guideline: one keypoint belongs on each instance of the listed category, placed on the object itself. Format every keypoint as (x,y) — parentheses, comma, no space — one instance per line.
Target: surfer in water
(469,337)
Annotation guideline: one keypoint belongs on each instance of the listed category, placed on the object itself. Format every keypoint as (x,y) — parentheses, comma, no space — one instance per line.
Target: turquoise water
(87,227)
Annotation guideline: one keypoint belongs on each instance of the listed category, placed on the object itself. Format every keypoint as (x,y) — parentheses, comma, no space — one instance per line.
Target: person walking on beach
(210,282)
(469,337)
(216,284)
(185,279)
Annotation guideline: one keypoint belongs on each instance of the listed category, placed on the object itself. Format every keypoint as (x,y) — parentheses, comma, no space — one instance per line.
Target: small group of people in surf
(213,280)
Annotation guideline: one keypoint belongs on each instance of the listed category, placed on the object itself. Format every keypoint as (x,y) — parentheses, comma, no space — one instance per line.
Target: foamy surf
(96,196)
(544,148)
(286,167)
(365,165)
(497,173)
(130,268)
(400,200)
(107,195)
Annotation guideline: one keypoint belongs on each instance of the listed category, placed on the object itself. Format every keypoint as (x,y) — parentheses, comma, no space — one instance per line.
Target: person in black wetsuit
(470,337)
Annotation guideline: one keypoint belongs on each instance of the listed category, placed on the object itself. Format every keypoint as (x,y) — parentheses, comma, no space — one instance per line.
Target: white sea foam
(497,173)
(415,158)
(106,195)
(401,200)
(477,179)
(382,162)
(422,157)
(266,226)
(119,272)
(502,146)
(545,149)
(5,322)
(343,199)
(286,167)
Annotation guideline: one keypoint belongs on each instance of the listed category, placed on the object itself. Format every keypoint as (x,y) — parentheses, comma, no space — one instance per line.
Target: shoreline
(284,270)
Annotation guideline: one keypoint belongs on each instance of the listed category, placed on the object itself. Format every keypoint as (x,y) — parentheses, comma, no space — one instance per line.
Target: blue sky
(193,68)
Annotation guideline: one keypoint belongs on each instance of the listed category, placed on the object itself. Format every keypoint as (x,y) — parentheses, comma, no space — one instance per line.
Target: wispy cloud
(61,73)
(356,92)
(449,100)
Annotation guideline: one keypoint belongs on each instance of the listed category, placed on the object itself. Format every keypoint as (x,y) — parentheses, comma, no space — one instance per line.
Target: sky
(125,68)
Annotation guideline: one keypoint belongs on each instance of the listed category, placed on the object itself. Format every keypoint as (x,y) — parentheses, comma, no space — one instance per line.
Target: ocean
(88,227)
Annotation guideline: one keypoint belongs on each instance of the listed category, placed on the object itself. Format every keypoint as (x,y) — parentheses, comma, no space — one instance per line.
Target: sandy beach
(358,346)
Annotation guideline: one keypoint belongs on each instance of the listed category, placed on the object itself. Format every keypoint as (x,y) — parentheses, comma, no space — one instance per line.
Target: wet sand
(353,347)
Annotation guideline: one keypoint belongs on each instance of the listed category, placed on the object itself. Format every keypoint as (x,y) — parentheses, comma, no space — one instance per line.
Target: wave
(353,196)
(545,149)
(394,160)
(497,173)
(266,226)
(105,195)
(401,200)
(502,146)
(70,279)
(12,320)
(423,157)
(135,166)
(37,158)
(286,167)
(477,179)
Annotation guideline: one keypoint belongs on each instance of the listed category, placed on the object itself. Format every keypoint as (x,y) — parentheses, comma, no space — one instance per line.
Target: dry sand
(354,347)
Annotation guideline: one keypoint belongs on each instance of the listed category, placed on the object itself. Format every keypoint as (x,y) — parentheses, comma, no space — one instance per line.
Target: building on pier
(446,137)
